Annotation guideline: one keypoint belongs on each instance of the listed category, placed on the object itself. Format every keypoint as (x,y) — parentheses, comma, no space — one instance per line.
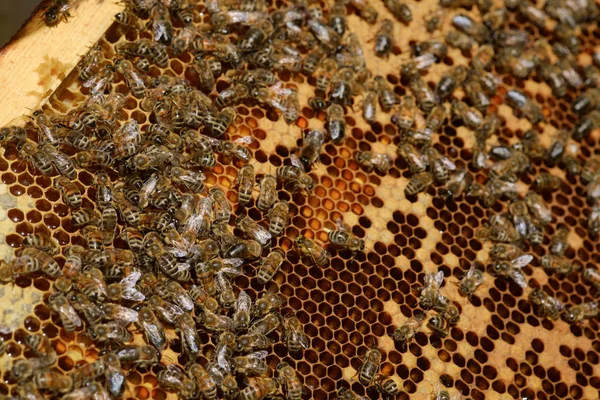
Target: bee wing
(129,290)
(438,279)
(518,276)
(215,373)
(222,283)
(244,302)
(296,161)
(127,315)
(258,355)
(556,303)
(522,261)
(223,359)
(244,140)
(68,310)
(447,163)
(263,235)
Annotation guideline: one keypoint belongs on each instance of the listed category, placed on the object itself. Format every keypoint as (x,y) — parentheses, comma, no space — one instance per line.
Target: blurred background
(12,15)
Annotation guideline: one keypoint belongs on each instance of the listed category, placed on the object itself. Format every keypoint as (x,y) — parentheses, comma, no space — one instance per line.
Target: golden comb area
(530,330)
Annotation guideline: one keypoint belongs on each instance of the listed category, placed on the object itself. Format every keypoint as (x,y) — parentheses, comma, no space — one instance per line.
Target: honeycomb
(502,346)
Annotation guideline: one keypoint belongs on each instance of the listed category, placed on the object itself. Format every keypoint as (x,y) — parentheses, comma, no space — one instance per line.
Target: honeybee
(510,168)
(577,314)
(154,331)
(233,94)
(135,81)
(42,241)
(91,63)
(405,332)
(266,325)
(501,229)
(118,313)
(439,165)
(52,381)
(399,10)
(425,96)
(470,281)
(369,105)
(268,192)
(311,147)
(559,264)
(457,183)
(370,366)
(592,275)
(460,40)
(344,238)
(451,80)
(386,385)
(90,311)
(268,303)
(34,258)
(138,355)
(545,181)
(370,160)
(87,373)
(235,149)
(162,27)
(430,289)
(525,106)
(57,10)
(259,388)
(125,289)
(205,383)
(445,307)
(115,376)
(312,251)
(337,17)
(550,306)
(439,325)
(289,380)
(188,335)
(127,139)
(253,230)
(384,39)
(68,316)
(101,81)
(293,335)
(418,183)
(61,161)
(225,290)
(39,160)
(365,10)
(215,322)
(512,269)
(336,126)
(173,378)
(434,20)
(560,241)
(538,208)
(218,124)
(251,364)
(40,346)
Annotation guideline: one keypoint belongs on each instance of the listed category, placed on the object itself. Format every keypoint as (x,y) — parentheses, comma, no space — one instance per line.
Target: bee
(312,251)
(290,381)
(470,281)
(252,342)
(154,332)
(577,314)
(405,332)
(61,161)
(386,385)
(206,79)
(418,183)
(369,105)
(137,355)
(587,101)
(245,184)
(235,149)
(416,161)
(218,124)
(87,373)
(384,39)
(465,24)
(399,10)
(225,290)
(183,39)
(192,180)
(440,165)
(434,21)
(470,116)
(425,96)
(538,208)
(328,38)
(165,310)
(512,269)
(204,382)
(40,346)
(370,160)
(268,303)
(42,241)
(52,381)
(221,206)
(311,147)
(215,322)
(451,80)
(510,168)
(387,97)
(94,237)
(259,388)
(370,366)
(278,217)
(127,139)
(525,106)
(592,275)
(129,20)
(90,64)
(190,341)
(253,230)
(251,364)
(115,377)
(162,27)
(293,335)
(559,264)
(457,183)
(549,306)
(348,394)
(445,307)
(560,241)
(268,192)
(337,17)
(586,124)
(57,10)
(255,36)
(233,94)
(266,325)
(135,81)
(336,126)
(118,313)
(67,313)
(439,325)
(173,378)
(344,238)
(244,249)
(365,10)
(460,40)
(101,81)
(430,289)
(38,159)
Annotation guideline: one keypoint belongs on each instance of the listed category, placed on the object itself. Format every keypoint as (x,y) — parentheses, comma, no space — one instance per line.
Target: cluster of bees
(186,242)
